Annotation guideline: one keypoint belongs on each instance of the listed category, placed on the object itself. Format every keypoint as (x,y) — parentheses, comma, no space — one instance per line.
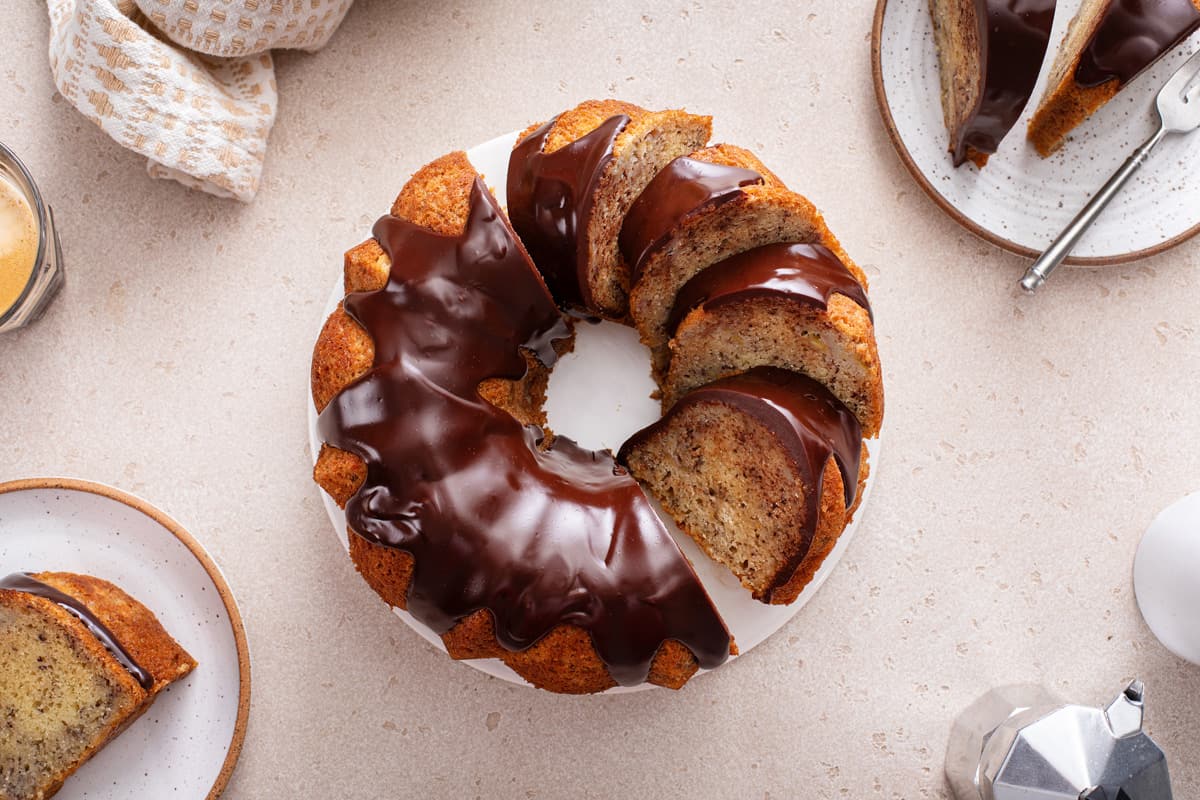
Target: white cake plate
(599,395)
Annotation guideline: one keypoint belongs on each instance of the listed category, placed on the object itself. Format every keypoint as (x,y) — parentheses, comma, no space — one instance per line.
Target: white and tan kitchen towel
(190,84)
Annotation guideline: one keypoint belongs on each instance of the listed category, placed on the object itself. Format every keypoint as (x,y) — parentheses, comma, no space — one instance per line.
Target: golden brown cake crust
(564,660)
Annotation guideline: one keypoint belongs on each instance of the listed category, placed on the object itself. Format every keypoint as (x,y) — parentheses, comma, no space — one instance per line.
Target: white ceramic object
(1021,201)
(1166,577)
(599,395)
(187,744)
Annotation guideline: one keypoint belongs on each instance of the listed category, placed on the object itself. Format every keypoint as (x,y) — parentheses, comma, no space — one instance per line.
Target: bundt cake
(761,469)
(794,306)
(1108,44)
(571,182)
(79,661)
(508,542)
(733,215)
(990,53)
(513,543)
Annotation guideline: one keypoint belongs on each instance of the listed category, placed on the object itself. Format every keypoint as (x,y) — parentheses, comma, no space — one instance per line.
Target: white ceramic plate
(1021,201)
(599,395)
(187,744)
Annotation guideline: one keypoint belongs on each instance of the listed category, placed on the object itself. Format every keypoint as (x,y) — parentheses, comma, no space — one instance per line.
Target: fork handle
(1057,252)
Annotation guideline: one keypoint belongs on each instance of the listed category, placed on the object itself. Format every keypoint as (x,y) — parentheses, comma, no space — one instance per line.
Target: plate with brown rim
(187,744)
(1020,201)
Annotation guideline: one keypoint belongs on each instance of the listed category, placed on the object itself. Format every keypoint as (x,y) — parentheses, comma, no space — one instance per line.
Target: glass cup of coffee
(30,257)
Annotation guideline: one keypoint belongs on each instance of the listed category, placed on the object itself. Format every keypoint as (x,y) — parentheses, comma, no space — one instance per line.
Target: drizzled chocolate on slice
(684,187)
(811,273)
(493,519)
(805,419)
(550,202)
(1013,36)
(1131,35)
(27,584)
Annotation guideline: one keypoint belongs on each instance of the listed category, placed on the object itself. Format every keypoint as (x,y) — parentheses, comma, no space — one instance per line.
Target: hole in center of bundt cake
(599,394)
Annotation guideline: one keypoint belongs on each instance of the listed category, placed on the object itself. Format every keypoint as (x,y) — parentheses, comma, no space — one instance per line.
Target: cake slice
(669,242)
(794,306)
(570,183)
(1108,44)
(79,661)
(763,470)
(990,53)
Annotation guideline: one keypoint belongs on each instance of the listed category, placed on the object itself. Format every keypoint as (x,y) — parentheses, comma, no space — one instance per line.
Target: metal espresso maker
(1023,743)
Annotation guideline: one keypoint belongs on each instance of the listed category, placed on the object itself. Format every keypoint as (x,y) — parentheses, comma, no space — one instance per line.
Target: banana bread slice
(79,661)
(1108,44)
(763,470)
(990,53)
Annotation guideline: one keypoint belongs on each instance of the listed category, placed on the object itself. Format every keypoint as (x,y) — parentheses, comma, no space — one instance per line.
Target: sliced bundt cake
(793,306)
(506,541)
(571,182)
(990,53)
(668,243)
(79,661)
(1108,44)
(762,470)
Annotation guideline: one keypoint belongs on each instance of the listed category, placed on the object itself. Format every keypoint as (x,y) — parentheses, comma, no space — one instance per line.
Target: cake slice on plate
(79,661)
(1109,43)
(990,53)
(763,470)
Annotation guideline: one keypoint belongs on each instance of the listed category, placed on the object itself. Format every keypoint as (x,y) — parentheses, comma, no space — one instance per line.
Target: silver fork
(1178,107)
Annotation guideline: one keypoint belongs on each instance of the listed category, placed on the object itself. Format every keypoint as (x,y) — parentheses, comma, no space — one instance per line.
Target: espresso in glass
(30,259)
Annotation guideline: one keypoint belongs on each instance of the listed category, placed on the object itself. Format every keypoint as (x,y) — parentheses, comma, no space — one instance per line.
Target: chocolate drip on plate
(550,201)
(27,584)
(1132,35)
(808,272)
(682,188)
(1013,36)
(493,519)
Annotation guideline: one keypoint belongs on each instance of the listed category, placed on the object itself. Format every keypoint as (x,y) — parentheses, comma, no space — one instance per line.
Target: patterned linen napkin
(190,84)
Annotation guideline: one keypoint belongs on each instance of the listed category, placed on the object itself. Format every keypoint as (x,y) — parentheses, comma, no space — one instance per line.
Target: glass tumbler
(46,277)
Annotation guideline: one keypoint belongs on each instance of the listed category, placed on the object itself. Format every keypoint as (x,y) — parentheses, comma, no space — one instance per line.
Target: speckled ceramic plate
(1021,201)
(599,395)
(187,744)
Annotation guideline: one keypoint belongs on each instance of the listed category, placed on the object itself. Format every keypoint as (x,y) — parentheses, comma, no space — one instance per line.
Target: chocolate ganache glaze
(1131,35)
(806,419)
(538,537)
(1013,36)
(809,272)
(683,187)
(27,584)
(550,201)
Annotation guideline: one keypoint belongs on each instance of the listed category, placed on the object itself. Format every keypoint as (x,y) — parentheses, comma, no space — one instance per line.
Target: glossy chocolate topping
(808,421)
(811,273)
(683,187)
(1132,35)
(550,201)
(1013,36)
(538,537)
(27,584)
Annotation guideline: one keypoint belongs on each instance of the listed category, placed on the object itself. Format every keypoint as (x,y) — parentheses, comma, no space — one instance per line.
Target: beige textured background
(1029,441)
